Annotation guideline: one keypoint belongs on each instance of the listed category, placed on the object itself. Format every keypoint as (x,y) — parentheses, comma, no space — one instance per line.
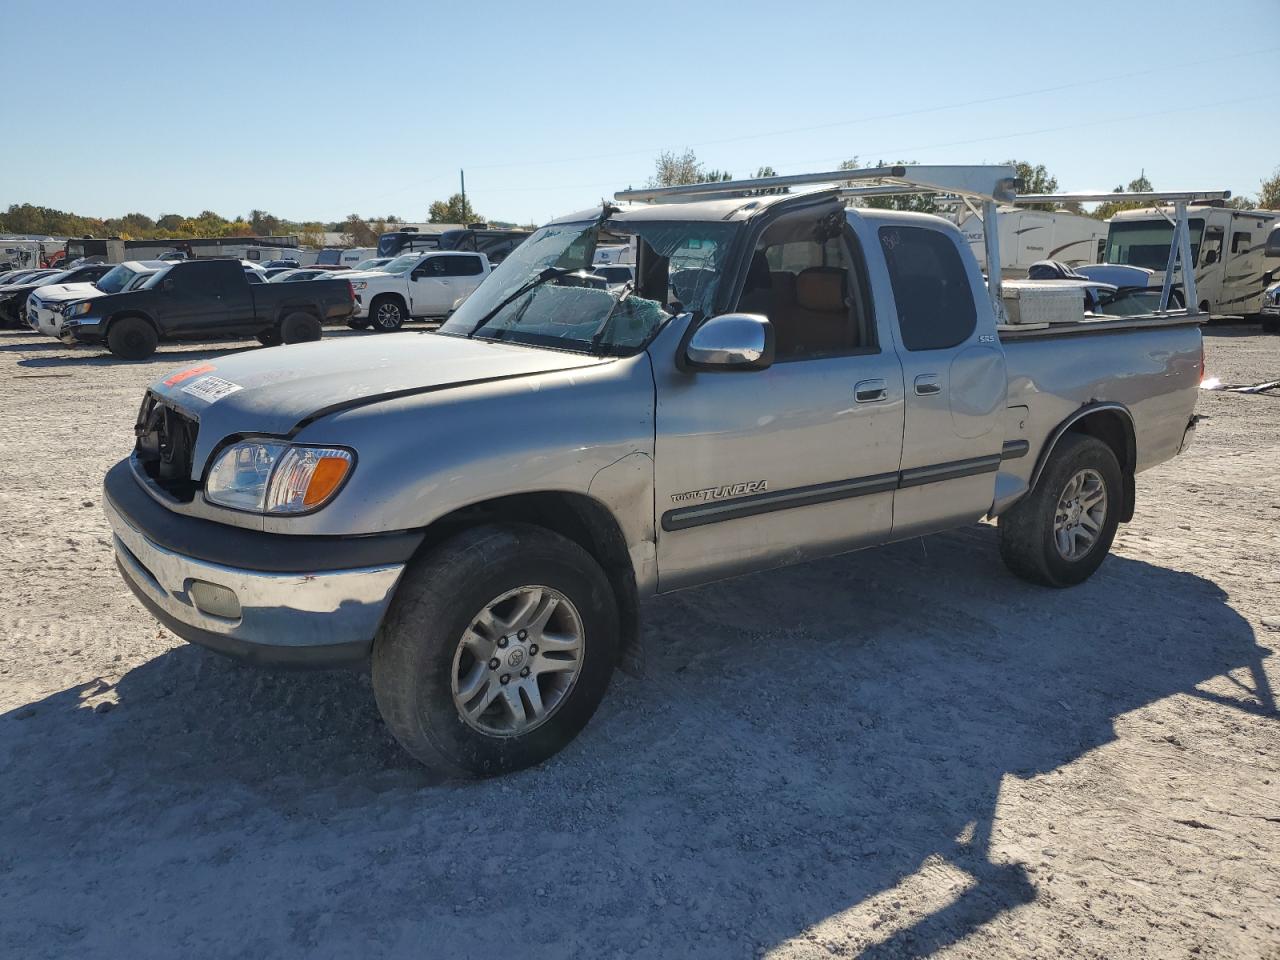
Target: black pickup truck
(206,299)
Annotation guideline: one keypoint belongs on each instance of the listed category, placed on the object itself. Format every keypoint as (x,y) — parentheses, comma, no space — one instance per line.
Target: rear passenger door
(191,303)
(430,288)
(464,272)
(955,379)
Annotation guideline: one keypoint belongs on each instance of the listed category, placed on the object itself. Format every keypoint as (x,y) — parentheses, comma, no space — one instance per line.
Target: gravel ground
(900,752)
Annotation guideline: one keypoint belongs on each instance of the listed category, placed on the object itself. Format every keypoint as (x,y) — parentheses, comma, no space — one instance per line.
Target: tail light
(1201,380)
(351,290)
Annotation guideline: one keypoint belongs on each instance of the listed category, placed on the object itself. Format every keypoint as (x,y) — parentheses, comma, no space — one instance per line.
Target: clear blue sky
(316,109)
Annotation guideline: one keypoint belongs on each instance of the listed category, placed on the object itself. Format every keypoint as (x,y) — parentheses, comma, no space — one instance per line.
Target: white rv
(1226,248)
(1027,236)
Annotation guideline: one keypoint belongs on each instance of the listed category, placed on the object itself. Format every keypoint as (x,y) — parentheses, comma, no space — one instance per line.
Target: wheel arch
(578,517)
(392,295)
(126,314)
(1110,422)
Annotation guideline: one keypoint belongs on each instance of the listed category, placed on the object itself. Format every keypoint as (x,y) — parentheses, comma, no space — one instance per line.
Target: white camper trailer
(1027,236)
(1226,248)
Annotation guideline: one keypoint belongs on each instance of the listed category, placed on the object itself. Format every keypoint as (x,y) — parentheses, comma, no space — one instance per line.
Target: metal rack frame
(987,185)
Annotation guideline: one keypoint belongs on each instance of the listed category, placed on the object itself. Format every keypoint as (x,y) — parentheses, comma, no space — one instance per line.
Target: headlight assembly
(268,476)
(359,284)
(78,309)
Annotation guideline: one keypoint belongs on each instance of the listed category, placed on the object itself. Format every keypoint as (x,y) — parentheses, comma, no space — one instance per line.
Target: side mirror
(1210,257)
(731,341)
(1273,244)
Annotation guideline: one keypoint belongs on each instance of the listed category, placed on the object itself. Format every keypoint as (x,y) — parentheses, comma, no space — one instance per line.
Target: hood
(361,274)
(273,391)
(63,292)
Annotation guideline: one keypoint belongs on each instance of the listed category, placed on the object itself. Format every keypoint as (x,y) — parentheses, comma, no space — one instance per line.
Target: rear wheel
(1059,534)
(300,328)
(386,314)
(496,651)
(132,338)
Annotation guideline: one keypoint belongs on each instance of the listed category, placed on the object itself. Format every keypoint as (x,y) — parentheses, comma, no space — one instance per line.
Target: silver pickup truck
(479,511)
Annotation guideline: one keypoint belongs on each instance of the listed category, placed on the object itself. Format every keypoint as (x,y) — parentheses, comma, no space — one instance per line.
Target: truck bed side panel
(1155,374)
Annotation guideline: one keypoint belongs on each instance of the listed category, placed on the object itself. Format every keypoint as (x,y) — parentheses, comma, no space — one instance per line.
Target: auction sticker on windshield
(210,389)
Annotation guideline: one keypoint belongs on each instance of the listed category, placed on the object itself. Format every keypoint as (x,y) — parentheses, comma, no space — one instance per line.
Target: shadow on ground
(805,740)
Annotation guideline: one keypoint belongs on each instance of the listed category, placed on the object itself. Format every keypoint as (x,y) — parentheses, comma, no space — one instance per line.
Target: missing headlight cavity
(166,440)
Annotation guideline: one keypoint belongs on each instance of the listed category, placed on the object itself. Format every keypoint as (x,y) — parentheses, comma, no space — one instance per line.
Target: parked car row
(131,307)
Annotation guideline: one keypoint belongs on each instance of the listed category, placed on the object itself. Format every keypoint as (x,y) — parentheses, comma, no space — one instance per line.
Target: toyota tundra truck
(475,513)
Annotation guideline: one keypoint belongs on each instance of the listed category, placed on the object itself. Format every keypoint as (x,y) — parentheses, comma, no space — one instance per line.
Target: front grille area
(165,445)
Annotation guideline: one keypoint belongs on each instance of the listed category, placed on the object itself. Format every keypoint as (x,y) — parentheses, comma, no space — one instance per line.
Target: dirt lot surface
(896,753)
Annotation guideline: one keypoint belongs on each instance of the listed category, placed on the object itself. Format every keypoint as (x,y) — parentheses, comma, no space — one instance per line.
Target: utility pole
(462,175)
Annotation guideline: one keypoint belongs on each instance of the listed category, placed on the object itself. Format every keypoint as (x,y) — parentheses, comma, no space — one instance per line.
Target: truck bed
(1011,331)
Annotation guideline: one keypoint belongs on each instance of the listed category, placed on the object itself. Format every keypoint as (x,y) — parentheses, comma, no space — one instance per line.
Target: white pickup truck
(419,286)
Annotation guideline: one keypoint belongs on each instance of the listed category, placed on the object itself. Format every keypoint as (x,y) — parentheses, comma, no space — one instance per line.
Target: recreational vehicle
(1226,249)
(1027,236)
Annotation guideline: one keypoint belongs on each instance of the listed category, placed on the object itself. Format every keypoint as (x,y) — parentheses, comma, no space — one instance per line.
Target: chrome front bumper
(323,618)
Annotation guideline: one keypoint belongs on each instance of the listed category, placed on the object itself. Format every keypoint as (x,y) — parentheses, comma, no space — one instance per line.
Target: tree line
(670,168)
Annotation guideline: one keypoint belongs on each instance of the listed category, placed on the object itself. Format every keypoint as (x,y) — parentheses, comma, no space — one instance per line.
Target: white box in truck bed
(1042,301)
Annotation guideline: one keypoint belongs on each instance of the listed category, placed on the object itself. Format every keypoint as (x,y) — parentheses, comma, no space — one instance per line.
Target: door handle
(869,391)
(927,385)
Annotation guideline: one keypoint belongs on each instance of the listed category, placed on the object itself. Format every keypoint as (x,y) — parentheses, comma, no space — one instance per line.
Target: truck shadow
(807,741)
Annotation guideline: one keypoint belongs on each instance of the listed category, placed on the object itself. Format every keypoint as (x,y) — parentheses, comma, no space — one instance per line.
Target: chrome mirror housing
(731,341)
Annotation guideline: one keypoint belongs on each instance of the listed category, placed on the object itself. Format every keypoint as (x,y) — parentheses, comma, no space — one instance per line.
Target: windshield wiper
(547,275)
(627,289)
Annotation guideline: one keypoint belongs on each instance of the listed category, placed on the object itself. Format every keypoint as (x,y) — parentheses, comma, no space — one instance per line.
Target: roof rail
(1152,196)
(996,183)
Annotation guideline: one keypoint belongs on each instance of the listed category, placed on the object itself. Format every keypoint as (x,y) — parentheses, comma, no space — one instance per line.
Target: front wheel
(1060,533)
(386,314)
(132,338)
(496,651)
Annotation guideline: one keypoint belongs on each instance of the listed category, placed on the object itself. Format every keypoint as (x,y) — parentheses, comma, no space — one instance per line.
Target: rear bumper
(316,618)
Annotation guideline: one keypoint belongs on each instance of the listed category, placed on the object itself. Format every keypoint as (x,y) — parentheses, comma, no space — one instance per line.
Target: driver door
(756,468)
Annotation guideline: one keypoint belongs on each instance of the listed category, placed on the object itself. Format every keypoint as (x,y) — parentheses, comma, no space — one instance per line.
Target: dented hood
(63,292)
(275,390)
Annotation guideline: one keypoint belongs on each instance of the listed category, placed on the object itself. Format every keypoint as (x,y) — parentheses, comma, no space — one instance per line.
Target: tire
(1270,325)
(269,338)
(300,328)
(132,338)
(386,314)
(1029,541)
(358,324)
(420,659)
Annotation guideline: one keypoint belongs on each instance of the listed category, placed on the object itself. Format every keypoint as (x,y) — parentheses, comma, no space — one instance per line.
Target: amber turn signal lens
(325,479)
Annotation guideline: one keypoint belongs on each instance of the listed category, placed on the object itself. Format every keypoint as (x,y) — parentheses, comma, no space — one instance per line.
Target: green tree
(453,210)
(264,224)
(671,169)
(360,232)
(917,202)
(1269,192)
(1105,211)
(1035,179)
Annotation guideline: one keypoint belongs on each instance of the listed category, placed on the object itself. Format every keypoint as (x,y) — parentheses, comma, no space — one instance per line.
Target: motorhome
(1027,236)
(1226,249)
(116,250)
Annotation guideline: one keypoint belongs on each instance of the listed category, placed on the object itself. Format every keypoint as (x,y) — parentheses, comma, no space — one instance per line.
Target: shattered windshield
(539,294)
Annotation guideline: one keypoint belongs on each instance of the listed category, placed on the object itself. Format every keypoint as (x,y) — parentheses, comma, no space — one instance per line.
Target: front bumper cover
(319,618)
